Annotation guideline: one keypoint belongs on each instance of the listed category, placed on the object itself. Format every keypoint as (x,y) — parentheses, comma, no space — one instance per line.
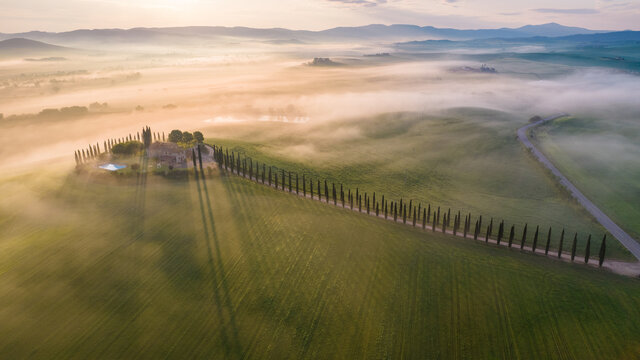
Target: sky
(65,15)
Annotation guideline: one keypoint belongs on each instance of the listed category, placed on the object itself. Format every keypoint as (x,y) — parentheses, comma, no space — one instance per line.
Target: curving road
(625,239)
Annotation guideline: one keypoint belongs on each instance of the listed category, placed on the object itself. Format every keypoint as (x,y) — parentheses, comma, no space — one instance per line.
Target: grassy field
(106,267)
(602,157)
(466,159)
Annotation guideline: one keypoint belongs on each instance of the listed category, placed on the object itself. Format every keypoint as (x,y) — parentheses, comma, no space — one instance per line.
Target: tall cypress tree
(488,233)
(414,217)
(524,237)
(304,186)
(603,249)
(428,212)
(404,214)
(574,246)
(476,230)
(385,209)
(444,223)
(535,240)
(419,210)
(512,233)
(297,192)
(433,223)
(283,181)
(424,218)
(333,192)
(269,176)
(342,195)
(276,178)
(377,210)
(500,231)
(587,251)
(395,211)
(319,191)
(560,244)
(311,188)
(438,217)
(546,248)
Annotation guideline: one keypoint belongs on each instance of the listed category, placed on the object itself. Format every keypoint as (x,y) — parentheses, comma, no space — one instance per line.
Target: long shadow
(219,275)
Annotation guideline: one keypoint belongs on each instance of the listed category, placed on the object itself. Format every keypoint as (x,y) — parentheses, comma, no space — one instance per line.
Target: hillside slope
(110,267)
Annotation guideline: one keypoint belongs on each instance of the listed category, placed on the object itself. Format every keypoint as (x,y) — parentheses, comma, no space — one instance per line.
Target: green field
(466,159)
(601,156)
(106,267)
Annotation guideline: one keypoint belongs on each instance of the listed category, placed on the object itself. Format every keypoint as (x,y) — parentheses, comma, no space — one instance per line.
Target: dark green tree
(198,136)
(512,233)
(560,244)
(603,249)
(175,136)
(524,237)
(187,137)
(414,217)
(535,240)
(546,247)
(587,251)
(424,218)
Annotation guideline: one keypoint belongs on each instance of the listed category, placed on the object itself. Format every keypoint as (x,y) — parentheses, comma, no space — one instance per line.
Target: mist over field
(192,88)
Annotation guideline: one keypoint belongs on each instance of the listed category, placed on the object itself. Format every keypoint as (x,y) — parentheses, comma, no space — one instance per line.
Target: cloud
(566,11)
(367,3)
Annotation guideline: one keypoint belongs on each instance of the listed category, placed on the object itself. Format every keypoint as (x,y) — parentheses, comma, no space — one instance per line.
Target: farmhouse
(169,154)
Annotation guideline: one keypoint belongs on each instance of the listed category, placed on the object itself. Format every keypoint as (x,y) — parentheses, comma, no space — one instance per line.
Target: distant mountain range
(25,47)
(197,34)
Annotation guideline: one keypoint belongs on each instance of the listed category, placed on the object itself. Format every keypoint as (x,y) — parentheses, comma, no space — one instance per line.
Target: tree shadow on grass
(220,286)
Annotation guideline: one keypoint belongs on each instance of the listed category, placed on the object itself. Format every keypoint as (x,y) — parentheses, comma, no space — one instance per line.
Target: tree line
(128,145)
(427,217)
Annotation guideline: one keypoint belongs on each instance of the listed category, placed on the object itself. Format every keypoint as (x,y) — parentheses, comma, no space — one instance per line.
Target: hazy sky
(61,15)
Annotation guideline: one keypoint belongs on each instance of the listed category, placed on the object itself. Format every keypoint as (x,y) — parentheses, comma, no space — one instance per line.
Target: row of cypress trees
(82,156)
(396,210)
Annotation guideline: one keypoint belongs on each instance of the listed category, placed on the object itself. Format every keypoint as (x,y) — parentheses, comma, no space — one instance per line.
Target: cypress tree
(428,213)
(283,181)
(311,188)
(395,211)
(385,210)
(319,191)
(200,160)
(414,217)
(535,240)
(433,223)
(377,210)
(479,224)
(360,203)
(424,218)
(276,178)
(488,233)
(404,214)
(466,227)
(512,232)
(524,237)
(603,249)
(304,186)
(401,204)
(264,168)
(335,198)
(410,205)
(419,210)
(367,201)
(560,244)
(444,223)
(374,197)
(342,195)
(500,231)
(269,176)
(587,251)
(546,248)
(438,217)
(163,140)
(574,246)
(449,217)
(290,185)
